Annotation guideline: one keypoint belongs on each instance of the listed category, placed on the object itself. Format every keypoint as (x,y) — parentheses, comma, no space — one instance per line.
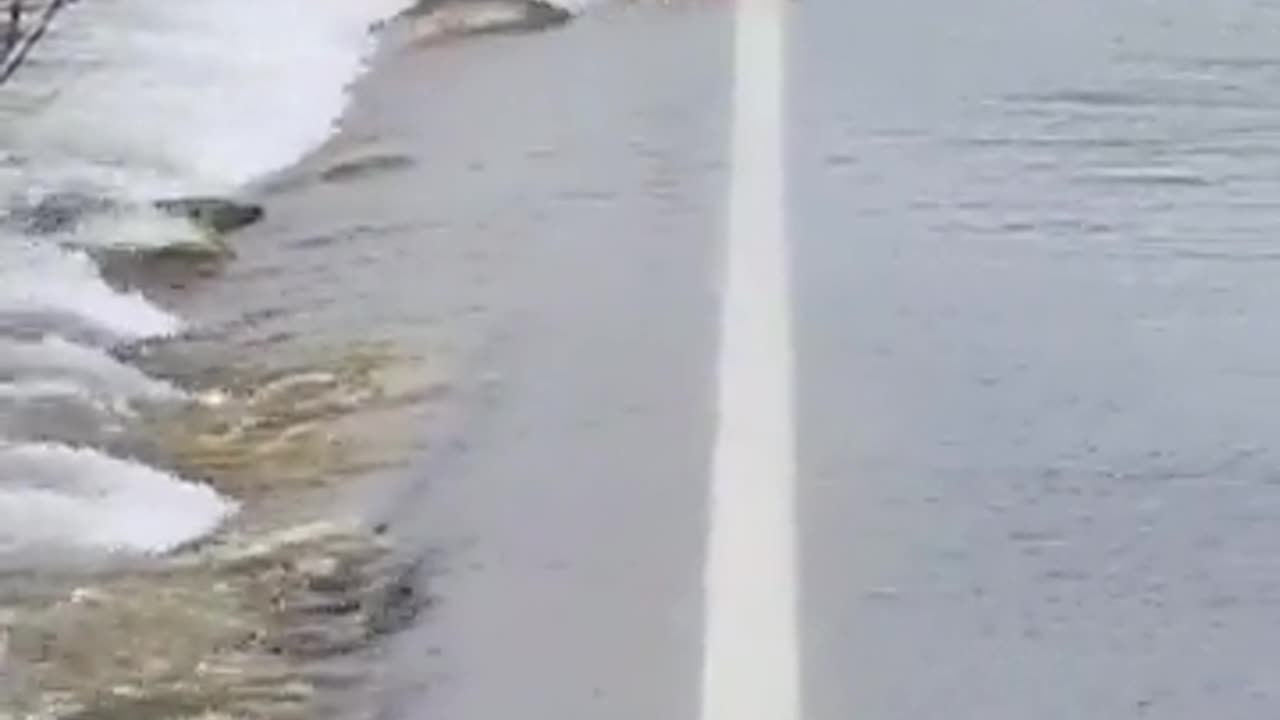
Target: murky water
(179,415)
(1084,239)
(241,628)
(134,101)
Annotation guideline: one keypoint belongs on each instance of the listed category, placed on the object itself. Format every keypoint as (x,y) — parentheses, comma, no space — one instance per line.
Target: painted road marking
(750,662)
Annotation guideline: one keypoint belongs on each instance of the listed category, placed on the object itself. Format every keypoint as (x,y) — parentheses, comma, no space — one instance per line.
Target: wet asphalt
(1034,261)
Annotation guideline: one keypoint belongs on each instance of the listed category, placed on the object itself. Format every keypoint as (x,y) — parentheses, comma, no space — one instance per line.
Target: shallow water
(137,419)
(1065,263)
(135,100)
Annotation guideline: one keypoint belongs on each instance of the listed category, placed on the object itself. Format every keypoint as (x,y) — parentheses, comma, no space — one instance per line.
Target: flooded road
(1035,258)
(729,361)
(1032,258)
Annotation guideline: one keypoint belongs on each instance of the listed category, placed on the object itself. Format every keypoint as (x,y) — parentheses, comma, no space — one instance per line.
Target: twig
(17,53)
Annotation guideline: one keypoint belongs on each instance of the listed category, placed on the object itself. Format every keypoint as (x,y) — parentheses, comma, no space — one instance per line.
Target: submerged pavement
(834,361)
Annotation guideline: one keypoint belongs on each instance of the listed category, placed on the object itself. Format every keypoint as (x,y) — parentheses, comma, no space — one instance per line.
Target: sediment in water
(237,628)
(244,624)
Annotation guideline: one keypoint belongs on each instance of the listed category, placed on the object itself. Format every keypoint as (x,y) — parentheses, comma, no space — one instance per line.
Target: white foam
(53,359)
(42,410)
(213,93)
(40,279)
(58,496)
(19,396)
(576,6)
(136,228)
(18,392)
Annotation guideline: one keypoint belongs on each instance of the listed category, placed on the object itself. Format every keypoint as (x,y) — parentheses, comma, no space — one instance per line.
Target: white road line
(750,663)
